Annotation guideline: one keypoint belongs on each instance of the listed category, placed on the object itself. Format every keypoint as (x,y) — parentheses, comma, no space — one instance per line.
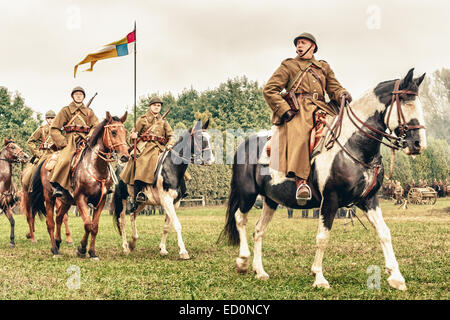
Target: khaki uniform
(147,160)
(84,118)
(292,138)
(42,138)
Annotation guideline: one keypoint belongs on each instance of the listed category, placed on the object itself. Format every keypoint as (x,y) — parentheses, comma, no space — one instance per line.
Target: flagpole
(135,140)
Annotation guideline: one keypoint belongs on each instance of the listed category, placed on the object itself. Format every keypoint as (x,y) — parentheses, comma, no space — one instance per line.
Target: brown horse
(10,153)
(91,180)
(26,207)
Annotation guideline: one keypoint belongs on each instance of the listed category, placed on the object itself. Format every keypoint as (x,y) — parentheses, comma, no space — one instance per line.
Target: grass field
(419,234)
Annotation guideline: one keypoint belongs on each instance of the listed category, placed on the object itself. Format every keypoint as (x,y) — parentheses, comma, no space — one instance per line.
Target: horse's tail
(230,230)
(120,194)
(36,197)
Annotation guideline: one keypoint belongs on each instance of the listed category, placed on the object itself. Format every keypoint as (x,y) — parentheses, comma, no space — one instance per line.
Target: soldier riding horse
(349,172)
(90,179)
(10,153)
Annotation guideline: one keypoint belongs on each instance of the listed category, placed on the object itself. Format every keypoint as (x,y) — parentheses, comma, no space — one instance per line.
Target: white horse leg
(167,202)
(134,233)
(242,262)
(323,234)
(126,249)
(162,245)
(396,279)
(260,230)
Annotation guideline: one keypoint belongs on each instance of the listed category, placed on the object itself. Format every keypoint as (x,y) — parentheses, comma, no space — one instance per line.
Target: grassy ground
(420,240)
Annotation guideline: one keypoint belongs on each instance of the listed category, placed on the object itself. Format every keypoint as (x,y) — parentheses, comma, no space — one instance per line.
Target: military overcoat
(291,139)
(147,159)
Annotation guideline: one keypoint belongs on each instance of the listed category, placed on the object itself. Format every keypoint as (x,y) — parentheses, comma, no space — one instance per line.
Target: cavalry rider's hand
(133,135)
(288,115)
(347,97)
(169,147)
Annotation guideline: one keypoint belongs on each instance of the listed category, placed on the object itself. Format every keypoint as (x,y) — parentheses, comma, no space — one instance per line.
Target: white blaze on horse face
(364,108)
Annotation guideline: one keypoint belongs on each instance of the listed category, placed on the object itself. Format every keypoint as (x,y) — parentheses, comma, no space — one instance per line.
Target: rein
(107,157)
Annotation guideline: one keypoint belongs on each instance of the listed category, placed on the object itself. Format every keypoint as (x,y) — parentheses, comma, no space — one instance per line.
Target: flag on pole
(115,49)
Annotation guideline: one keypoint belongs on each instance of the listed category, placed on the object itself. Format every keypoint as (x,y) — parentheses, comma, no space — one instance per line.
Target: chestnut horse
(26,207)
(91,180)
(10,153)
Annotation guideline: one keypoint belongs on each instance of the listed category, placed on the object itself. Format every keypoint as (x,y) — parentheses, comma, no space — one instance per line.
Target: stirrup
(141,197)
(303,198)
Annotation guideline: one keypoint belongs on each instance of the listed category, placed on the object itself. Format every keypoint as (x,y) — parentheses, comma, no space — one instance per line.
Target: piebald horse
(91,180)
(10,153)
(192,147)
(349,172)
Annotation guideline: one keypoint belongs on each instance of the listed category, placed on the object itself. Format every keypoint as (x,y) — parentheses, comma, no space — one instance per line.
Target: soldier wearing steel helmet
(40,144)
(294,129)
(154,135)
(78,122)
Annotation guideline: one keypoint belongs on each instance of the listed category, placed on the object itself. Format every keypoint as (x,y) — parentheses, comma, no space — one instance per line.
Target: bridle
(197,155)
(18,156)
(106,156)
(110,146)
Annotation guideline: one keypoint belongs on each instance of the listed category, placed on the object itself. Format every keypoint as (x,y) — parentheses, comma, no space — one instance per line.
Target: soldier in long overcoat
(78,122)
(154,135)
(293,132)
(40,144)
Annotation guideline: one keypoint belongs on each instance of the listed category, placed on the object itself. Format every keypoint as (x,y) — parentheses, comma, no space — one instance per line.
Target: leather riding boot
(303,190)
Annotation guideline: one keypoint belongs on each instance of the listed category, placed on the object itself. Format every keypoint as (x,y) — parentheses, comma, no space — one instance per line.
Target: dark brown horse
(26,208)
(91,180)
(9,154)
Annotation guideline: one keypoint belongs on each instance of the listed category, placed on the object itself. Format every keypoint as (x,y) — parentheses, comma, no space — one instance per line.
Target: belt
(150,137)
(314,96)
(74,128)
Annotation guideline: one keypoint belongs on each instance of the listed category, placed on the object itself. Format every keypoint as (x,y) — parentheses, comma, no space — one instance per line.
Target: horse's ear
(419,80)
(108,116)
(5,140)
(205,125)
(408,79)
(198,125)
(124,117)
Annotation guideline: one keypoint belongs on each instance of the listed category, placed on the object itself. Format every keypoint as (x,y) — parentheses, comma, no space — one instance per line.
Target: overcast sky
(203,43)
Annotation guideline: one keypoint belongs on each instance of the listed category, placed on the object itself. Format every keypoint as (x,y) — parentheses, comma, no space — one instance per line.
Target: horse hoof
(184,256)
(54,251)
(28,236)
(397,284)
(163,253)
(34,241)
(324,285)
(241,265)
(131,246)
(81,252)
(69,243)
(56,256)
(262,276)
(12,245)
(94,258)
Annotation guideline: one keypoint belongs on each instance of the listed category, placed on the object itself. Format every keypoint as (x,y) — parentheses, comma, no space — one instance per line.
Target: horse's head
(404,114)
(13,153)
(115,136)
(201,144)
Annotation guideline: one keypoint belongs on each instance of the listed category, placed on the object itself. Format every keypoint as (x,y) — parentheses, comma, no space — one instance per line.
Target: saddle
(319,134)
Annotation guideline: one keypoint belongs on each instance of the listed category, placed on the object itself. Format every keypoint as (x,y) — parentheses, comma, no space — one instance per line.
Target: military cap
(50,114)
(308,36)
(155,100)
(78,89)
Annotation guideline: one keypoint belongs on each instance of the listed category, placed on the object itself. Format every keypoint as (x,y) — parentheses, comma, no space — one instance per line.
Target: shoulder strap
(73,118)
(300,75)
